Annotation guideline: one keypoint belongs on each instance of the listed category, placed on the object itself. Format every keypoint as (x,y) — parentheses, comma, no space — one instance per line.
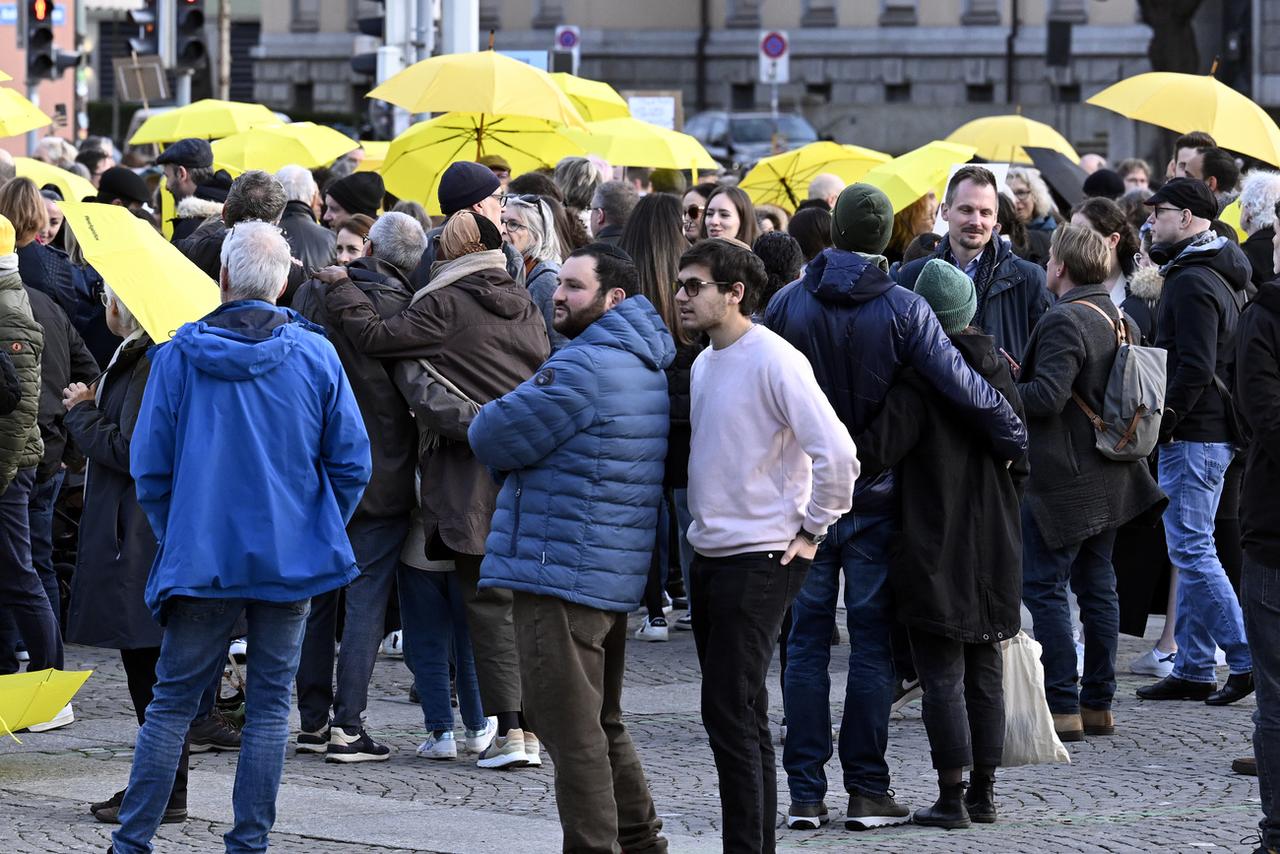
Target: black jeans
(140,671)
(963,699)
(738,603)
(21,591)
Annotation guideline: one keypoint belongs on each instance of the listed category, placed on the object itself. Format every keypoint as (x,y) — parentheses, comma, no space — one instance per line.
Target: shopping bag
(1029,738)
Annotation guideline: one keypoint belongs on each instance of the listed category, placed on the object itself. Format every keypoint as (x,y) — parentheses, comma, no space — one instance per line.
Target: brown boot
(1098,722)
(1068,727)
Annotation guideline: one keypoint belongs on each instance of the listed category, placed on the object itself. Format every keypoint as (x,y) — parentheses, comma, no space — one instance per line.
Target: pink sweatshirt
(768,455)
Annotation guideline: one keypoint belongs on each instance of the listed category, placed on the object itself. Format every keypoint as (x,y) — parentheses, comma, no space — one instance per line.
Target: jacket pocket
(515,514)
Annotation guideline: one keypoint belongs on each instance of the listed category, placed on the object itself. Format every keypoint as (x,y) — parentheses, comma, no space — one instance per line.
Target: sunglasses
(693,211)
(693,286)
(527,198)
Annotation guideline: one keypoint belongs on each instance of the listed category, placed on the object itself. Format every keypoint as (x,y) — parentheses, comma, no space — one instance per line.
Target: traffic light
(44,60)
(376,26)
(190,49)
(147,20)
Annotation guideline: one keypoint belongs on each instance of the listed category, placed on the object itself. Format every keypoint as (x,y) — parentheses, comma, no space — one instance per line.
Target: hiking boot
(866,812)
(980,799)
(807,816)
(1173,688)
(1247,765)
(312,742)
(1098,721)
(506,751)
(213,733)
(1237,687)
(108,811)
(347,745)
(948,811)
(1068,727)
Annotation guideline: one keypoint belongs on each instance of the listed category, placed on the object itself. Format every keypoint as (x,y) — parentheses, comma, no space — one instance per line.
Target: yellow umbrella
(1231,216)
(270,148)
(375,154)
(205,119)
(1187,102)
(917,173)
(482,82)
(18,115)
(1000,138)
(632,142)
(27,699)
(596,101)
(4,77)
(155,281)
(783,179)
(418,157)
(72,187)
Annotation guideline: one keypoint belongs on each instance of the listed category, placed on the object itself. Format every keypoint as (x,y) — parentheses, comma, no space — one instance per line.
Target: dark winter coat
(309,242)
(542,281)
(191,213)
(422,273)
(23,339)
(10,388)
(77,291)
(1196,323)
(117,545)
(678,390)
(1075,492)
(1259,250)
(393,438)
(858,330)
(1257,396)
(204,249)
(1141,301)
(956,565)
(65,360)
(486,336)
(1009,302)
(610,234)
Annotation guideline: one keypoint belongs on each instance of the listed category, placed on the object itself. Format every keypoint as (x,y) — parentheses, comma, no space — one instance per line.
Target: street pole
(224,50)
(34,97)
(182,96)
(460,26)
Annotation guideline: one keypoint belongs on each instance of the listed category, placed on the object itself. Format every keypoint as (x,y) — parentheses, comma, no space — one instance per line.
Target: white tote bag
(1029,737)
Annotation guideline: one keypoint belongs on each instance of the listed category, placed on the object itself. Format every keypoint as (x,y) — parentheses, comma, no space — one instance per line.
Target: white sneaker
(506,751)
(22,655)
(666,603)
(1219,657)
(1079,659)
(64,717)
(478,740)
(442,747)
(532,749)
(1153,662)
(393,645)
(239,650)
(653,630)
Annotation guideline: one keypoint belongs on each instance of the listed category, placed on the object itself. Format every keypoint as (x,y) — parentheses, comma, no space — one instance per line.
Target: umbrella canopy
(375,154)
(783,179)
(1064,177)
(155,281)
(418,157)
(596,101)
(27,699)
(18,115)
(1001,139)
(912,176)
(4,77)
(1231,216)
(481,82)
(72,187)
(205,119)
(1187,102)
(270,148)
(632,142)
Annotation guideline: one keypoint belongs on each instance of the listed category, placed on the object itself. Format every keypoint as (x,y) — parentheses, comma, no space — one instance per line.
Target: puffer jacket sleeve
(541,414)
(10,389)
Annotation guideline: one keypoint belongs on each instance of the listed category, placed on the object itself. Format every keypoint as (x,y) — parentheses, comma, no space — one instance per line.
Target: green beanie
(950,293)
(862,220)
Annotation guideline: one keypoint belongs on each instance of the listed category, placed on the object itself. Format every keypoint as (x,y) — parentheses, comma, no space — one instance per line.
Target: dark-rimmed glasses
(693,286)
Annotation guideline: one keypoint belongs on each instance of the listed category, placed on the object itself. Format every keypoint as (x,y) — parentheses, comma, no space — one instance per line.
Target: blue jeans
(433,614)
(1260,595)
(40,508)
(1045,575)
(857,545)
(22,594)
(376,543)
(194,645)
(1191,473)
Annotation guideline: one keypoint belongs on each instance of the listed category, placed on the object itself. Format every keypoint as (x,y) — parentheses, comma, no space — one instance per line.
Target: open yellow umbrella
(72,187)
(205,119)
(1187,102)
(595,100)
(155,281)
(632,142)
(418,157)
(270,148)
(913,175)
(375,154)
(4,77)
(1231,216)
(1000,138)
(783,179)
(33,698)
(481,82)
(18,115)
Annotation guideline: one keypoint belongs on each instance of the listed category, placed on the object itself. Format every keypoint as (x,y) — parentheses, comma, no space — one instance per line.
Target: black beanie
(1104,183)
(862,220)
(464,184)
(358,193)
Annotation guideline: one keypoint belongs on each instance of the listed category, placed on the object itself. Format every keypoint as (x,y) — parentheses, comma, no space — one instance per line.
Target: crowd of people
(586,392)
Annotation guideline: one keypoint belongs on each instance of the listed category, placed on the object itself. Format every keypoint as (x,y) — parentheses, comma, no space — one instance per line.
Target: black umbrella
(1065,178)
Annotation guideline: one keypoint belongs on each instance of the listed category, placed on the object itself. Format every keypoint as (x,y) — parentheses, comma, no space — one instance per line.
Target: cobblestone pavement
(1162,783)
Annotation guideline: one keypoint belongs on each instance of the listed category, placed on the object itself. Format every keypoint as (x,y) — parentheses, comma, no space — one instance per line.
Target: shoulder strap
(1117,325)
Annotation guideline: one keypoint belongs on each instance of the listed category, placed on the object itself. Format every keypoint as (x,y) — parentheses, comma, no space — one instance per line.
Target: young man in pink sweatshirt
(771,466)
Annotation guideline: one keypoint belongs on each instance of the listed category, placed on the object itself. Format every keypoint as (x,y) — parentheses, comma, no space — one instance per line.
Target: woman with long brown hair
(730,213)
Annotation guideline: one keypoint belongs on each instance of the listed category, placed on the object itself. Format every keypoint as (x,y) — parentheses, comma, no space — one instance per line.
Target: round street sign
(567,39)
(773,45)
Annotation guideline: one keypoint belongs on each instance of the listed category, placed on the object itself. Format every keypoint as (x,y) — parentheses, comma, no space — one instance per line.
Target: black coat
(66,359)
(1075,492)
(681,434)
(204,249)
(117,545)
(956,565)
(10,389)
(1258,250)
(1257,396)
(309,242)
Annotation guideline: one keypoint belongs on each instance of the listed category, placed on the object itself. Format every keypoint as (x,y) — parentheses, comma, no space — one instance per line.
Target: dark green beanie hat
(950,293)
(862,220)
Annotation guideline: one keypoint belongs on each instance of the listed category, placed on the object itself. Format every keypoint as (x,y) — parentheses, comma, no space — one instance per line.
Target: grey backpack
(1132,405)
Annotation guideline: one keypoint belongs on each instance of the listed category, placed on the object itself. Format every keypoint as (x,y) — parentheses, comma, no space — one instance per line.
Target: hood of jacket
(371,273)
(495,291)
(980,352)
(633,327)
(1209,250)
(1268,296)
(837,276)
(244,339)
(1146,283)
(193,207)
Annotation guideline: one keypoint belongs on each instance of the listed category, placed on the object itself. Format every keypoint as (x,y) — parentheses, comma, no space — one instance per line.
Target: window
(819,91)
(743,96)
(897,93)
(304,97)
(1067,93)
(980,93)
(304,16)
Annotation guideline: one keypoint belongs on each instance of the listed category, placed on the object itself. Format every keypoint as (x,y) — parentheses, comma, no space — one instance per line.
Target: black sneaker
(312,742)
(213,733)
(108,811)
(867,812)
(354,746)
(906,691)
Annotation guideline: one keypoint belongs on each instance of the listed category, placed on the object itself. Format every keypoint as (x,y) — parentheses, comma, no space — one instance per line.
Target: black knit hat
(359,193)
(464,184)
(1104,183)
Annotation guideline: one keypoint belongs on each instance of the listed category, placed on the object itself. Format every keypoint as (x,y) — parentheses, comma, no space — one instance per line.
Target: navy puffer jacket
(582,444)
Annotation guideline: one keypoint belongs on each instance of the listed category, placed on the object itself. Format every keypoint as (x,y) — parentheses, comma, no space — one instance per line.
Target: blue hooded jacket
(859,329)
(583,445)
(250,456)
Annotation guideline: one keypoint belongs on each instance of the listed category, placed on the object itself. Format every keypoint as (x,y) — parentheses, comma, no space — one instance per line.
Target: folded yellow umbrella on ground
(18,115)
(27,699)
(1000,138)
(911,176)
(1187,102)
(205,119)
(72,187)
(155,281)
(595,100)
(272,147)
(783,179)
(632,142)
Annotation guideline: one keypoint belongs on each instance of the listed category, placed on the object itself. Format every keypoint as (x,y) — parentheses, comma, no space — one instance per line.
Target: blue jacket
(859,330)
(582,444)
(250,456)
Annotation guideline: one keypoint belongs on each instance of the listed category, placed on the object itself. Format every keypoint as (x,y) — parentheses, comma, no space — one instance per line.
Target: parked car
(738,140)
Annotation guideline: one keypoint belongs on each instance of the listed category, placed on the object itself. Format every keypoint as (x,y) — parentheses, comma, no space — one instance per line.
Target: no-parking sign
(569,40)
(775,56)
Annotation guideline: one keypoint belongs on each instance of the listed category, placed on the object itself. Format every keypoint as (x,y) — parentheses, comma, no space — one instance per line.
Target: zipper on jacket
(515,524)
